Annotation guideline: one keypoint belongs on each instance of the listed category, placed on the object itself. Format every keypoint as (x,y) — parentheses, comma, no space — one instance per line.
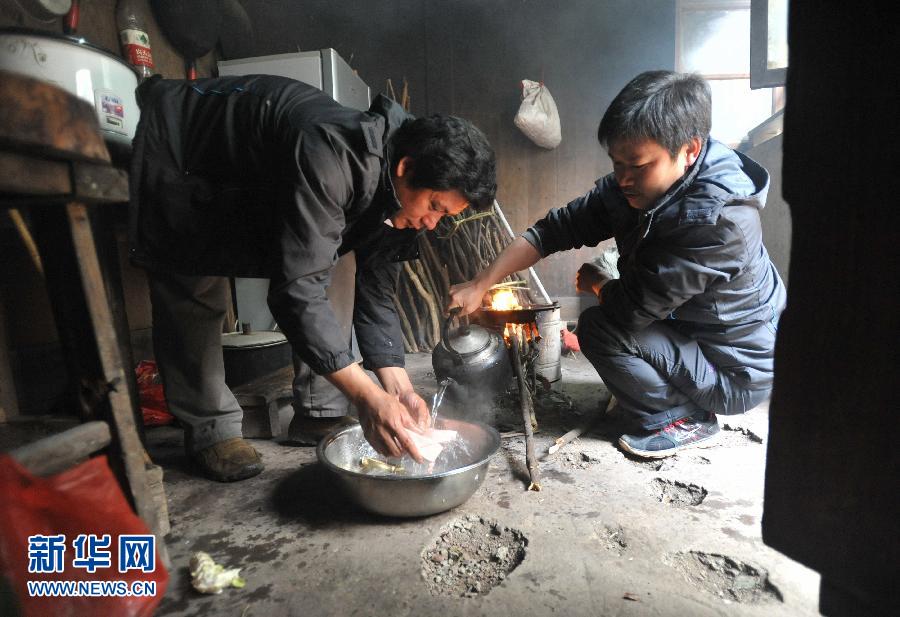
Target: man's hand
(589,279)
(395,380)
(385,419)
(467,296)
(384,414)
(417,408)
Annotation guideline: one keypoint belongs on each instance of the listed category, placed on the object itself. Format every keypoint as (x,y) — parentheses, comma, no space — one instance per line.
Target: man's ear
(693,150)
(404,167)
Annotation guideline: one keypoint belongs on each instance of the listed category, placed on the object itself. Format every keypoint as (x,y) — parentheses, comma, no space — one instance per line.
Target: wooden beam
(21,174)
(63,450)
(9,407)
(99,183)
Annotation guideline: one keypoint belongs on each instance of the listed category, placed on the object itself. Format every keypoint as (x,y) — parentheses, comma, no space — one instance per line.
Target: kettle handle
(462,329)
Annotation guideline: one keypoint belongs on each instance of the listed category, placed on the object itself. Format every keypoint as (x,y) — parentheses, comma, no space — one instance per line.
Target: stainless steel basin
(411,495)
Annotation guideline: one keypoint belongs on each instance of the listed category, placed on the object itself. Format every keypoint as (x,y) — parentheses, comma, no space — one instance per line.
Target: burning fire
(505,300)
(525,333)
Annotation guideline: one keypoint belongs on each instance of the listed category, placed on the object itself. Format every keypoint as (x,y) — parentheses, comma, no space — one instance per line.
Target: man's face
(645,170)
(422,208)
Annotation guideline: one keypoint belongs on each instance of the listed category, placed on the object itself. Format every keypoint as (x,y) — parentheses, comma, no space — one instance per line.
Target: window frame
(684,6)
(761,76)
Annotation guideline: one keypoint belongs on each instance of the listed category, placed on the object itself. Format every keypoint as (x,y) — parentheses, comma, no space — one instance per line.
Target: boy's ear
(693,150)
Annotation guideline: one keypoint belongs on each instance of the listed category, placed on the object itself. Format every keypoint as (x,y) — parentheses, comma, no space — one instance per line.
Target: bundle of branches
(458,249)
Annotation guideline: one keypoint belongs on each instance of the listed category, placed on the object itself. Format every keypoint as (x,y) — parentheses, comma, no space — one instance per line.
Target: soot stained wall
(467,57)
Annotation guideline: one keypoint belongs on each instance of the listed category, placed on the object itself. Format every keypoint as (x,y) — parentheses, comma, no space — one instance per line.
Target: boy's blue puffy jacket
(697,257)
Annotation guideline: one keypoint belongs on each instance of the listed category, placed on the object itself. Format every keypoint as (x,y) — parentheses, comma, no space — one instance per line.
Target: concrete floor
(304,550)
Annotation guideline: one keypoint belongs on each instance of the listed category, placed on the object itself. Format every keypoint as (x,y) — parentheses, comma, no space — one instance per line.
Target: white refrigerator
(325,70)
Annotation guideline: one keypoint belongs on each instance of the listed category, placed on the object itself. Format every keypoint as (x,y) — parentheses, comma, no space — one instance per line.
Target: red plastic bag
(83,500)
(154,409)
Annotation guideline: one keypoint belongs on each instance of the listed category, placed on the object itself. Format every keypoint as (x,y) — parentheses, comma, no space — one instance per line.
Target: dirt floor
(607,535)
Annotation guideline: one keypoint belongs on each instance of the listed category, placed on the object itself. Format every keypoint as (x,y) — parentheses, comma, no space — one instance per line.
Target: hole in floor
(613,539)
(728,578)
(678,493)
(654,464)
(668,463)
(471,556)
(572,458)
(747,434)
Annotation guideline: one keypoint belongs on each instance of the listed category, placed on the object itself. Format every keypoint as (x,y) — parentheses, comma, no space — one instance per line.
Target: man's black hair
(669,108)
(448,153)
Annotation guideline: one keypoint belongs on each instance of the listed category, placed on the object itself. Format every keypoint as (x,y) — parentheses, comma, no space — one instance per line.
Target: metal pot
(397,495)
(474,357)
(251,355)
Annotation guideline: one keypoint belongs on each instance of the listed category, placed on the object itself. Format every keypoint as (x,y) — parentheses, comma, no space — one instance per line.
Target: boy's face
(645,170)
(422,208)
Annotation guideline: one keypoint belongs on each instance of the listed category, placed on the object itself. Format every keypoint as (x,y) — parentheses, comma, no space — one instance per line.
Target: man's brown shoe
(228,461)
(307,431)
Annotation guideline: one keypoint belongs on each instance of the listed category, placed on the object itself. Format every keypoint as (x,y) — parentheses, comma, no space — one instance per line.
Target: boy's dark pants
(667,372)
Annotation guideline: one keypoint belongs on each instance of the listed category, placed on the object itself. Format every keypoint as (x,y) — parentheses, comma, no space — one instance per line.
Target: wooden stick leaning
(431,308)
(415,320)
(405,327)
(531,461)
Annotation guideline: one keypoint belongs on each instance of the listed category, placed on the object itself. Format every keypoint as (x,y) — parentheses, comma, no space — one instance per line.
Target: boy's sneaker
(680,435)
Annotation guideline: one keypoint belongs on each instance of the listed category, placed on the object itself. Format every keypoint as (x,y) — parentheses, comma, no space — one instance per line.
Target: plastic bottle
(134,38)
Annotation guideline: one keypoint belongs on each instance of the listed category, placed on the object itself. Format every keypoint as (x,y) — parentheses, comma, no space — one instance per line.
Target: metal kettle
(474,357)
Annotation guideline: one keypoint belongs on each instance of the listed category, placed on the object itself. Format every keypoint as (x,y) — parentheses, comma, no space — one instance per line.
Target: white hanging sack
(538,117)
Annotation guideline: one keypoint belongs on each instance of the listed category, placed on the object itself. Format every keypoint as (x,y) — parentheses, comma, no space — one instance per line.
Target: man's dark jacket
(695,258)
(262,176)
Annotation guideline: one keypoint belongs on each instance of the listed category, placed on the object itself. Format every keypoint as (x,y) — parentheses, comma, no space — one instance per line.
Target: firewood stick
(461,254)
(431,308)
(531,461)
(428,281)
(527,348)
(457,273)
(479,235)
(445,277)
(470,249)
(425,302)
(500,241)
(435,265)
(507,285)
(408,339)
(412,313)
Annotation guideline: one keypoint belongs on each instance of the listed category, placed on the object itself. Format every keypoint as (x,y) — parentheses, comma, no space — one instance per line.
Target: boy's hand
(589,279)
(468,296)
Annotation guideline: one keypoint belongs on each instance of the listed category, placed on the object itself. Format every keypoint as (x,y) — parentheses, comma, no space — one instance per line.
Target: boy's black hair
(448,153)
(669,108)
